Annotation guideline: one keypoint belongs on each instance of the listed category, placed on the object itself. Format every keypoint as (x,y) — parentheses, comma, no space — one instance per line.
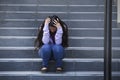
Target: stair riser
(71,24)
(70,78)
(54,2)
(68,66)
(77,33)
(30,42)
(72,42)
(15,77)
(62,16)
(68,54)
(72,2)
(51,78)
(65,8)
(54,78)
(73,66)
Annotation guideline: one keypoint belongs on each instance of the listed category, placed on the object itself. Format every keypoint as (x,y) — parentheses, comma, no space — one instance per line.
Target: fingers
(55,21)
(57,24)
(47,20)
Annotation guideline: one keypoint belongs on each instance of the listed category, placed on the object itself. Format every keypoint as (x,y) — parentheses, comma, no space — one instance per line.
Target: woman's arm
(46,35)
(58,35)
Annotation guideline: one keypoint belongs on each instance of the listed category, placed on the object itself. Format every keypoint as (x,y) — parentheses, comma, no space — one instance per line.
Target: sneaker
(59,69)
(44,69)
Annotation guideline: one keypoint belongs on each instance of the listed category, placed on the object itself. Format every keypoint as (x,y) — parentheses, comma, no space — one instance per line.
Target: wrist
(46,23)
(45,27)
(59,27)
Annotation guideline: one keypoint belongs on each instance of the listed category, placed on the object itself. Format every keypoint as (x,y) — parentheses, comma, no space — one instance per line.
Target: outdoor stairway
(19,21)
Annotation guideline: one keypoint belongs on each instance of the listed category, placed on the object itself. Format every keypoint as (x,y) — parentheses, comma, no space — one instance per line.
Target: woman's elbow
(45,42)
(58,42)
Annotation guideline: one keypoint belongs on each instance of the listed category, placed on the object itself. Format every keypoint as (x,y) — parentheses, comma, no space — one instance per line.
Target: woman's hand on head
(47,20)
(57,23)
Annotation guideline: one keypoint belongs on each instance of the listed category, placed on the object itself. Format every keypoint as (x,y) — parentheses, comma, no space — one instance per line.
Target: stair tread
(68,48)
(65,59)
(70,73)
(38,73)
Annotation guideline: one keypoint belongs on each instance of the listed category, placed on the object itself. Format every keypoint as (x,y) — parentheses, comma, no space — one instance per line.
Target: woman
(51,40)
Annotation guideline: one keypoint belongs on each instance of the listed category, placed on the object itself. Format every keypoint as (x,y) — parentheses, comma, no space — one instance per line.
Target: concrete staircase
(19,21)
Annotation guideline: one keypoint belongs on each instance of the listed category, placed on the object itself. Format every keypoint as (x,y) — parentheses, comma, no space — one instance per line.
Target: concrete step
(18,8)
(54,8)
(72,50)
(88,24)
(34,64)
(90,8)
(78,32)
(18,24)
(19,2)
(12,42)
(72,2)
(68,54)
(71,23)
(53,2)
(72,42)
(90,15)
(36,75)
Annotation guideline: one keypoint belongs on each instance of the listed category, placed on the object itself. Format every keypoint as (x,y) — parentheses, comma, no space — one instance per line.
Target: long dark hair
(38,40)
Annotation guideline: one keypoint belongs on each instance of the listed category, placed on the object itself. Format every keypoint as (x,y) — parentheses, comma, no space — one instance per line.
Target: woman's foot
(44,69)
(59,69)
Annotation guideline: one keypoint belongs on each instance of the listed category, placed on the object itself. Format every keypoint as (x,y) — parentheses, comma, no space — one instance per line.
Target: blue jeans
(47,50)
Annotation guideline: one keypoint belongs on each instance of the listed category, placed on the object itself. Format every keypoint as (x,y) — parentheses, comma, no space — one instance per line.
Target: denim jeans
(49,49)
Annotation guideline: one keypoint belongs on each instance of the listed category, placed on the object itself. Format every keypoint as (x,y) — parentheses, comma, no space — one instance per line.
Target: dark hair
(38,40)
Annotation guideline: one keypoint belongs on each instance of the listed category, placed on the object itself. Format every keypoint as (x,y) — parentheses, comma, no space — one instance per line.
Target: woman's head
(54,17)
(52,25)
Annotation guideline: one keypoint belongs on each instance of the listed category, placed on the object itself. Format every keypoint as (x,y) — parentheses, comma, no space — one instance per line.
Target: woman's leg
(45,53)
(58,52)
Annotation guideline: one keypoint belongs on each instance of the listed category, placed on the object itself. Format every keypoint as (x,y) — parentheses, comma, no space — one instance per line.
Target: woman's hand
(36,48)
(47,20)
(57,23)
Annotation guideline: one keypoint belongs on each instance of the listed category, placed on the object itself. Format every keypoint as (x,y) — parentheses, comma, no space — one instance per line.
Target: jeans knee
(45,48)
(58,48)
(58,51)
(45,51)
